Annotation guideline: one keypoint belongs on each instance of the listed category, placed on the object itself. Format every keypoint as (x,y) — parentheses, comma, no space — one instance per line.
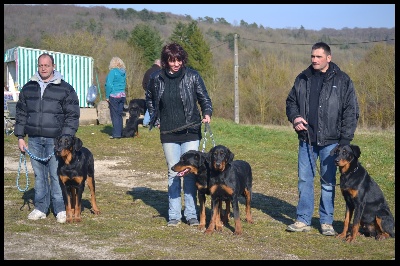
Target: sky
(282,16)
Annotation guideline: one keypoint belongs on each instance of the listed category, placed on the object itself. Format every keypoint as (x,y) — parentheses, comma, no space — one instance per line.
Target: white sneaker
(298,227)
(36,215)
(61,217)
(327,230)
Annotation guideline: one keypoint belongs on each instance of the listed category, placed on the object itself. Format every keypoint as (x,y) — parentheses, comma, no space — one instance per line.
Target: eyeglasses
(45,66)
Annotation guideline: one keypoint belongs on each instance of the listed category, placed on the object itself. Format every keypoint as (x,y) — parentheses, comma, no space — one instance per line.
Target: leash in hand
(207,131)
(315,161)
(23,157)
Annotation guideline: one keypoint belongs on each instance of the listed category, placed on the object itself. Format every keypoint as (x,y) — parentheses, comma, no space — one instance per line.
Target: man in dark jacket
(156,66)
(323,108)
(47,107)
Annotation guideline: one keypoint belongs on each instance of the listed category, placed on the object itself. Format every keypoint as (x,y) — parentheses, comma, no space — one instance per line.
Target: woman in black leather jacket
(172,96)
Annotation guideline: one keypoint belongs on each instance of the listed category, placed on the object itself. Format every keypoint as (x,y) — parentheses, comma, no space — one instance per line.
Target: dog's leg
(76,202)
(381,234)
(215,211)
(356,224)
(236,216)
(67,198)
(247,195)
(225,218)
(354,233)
(347,219)
(92,187)
(136,132)
(68,207)
(202,202)
(218,222)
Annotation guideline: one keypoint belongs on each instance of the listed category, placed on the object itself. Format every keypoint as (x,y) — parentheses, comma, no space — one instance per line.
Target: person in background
(115,94)
(172,98)
(323,108)
(47,107)
(156,66)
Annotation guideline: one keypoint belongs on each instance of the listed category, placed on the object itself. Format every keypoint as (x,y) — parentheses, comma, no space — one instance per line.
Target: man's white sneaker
(298,227)
(61,217)
(36,215)
(327,230)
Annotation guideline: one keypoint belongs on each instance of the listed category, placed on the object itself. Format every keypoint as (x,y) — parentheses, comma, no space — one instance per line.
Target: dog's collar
(355,169)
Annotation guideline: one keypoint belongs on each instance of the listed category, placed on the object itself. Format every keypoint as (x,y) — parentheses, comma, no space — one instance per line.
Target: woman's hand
(206,119)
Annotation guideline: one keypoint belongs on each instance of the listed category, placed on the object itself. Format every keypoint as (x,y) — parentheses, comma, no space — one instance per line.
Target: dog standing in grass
(229,179)
(75,167)
(195,162)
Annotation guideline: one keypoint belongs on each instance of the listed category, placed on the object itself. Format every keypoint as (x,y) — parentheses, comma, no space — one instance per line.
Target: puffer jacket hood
(56,79)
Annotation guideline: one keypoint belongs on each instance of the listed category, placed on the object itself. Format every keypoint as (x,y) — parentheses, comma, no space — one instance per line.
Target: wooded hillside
(269,59)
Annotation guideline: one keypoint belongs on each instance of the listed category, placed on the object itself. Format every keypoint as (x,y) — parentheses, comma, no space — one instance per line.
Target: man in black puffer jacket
(322,106)
(47,107)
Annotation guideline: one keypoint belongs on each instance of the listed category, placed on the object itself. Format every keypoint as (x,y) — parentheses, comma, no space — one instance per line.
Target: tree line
(269,59)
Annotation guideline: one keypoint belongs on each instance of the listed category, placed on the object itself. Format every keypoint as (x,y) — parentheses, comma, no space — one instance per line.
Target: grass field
(131,189)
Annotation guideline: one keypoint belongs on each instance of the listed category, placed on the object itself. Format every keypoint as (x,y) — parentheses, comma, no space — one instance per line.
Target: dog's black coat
(75,167)
(139,104)
(363,196)
(136,108)
(195,162)
(228,180)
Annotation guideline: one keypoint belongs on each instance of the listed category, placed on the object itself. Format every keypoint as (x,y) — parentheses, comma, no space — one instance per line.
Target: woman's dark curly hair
(173,51)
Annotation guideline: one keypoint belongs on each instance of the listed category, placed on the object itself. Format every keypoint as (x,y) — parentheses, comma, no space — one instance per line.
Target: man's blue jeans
(45,188)
(116,106)
(306,166)
(173,152)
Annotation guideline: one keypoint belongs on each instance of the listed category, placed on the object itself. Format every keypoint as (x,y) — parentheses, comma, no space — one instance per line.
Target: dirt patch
(103,169)
(16,245)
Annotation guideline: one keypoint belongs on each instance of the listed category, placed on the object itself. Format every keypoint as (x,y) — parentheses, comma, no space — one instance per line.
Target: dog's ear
(230,155)
(210,155)
(77,143)
(56,140)
(197,156)
(211,151)
(206,157)
(334,150)
(356,150)
(202,157)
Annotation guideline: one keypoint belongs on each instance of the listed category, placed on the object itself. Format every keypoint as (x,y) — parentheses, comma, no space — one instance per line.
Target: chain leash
(207,130)
(23,157)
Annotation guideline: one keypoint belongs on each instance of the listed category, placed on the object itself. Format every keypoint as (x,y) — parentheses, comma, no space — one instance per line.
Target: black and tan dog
(136,108)
(228,180)
(195,162)
(75,167)
(363,196)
